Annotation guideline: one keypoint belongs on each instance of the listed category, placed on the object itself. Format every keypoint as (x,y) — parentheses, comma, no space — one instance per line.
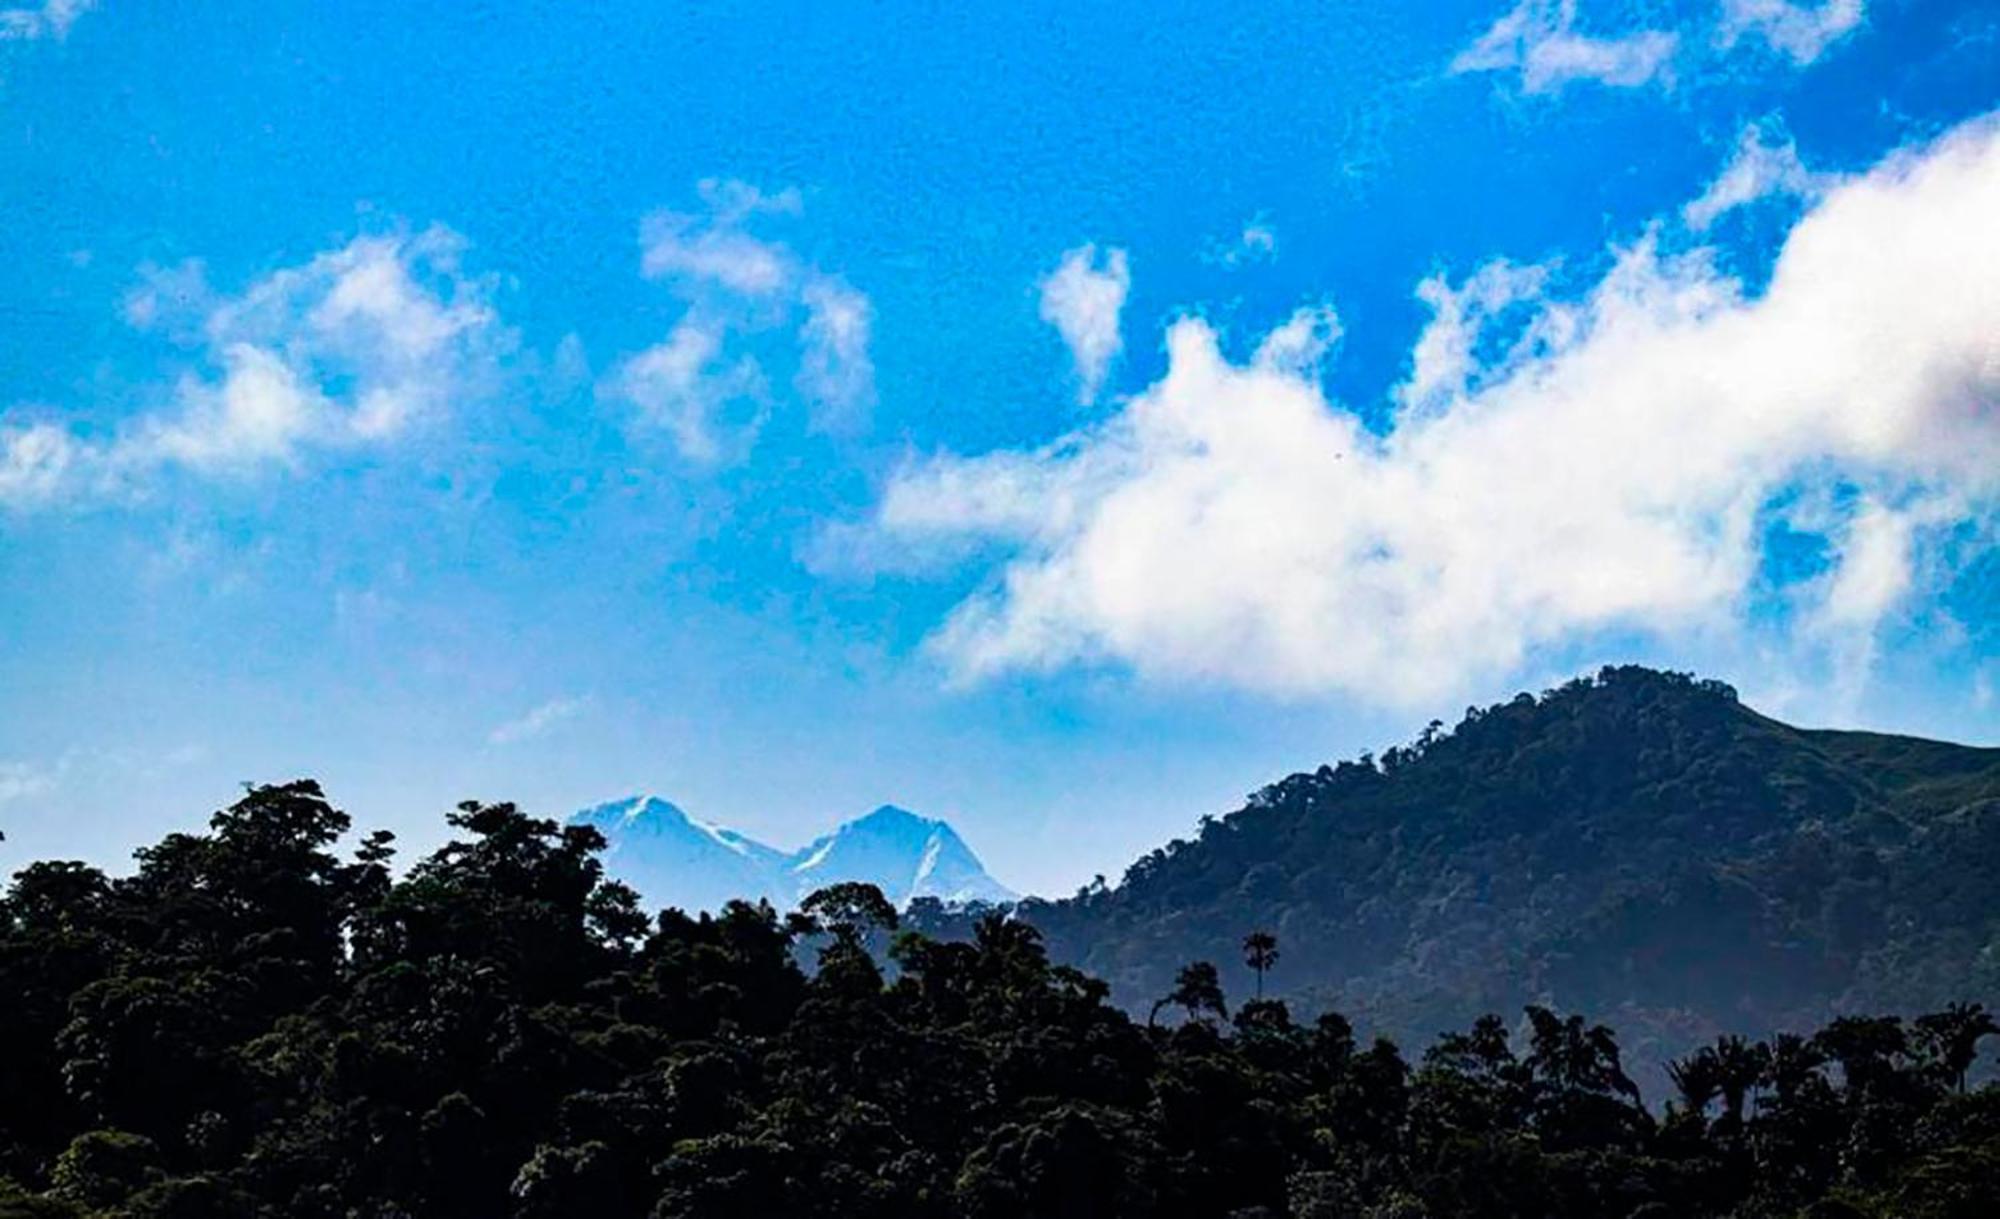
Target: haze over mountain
(1639,845)
(673,859)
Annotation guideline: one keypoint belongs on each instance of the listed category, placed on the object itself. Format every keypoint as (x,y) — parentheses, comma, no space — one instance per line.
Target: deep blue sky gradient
(371,618)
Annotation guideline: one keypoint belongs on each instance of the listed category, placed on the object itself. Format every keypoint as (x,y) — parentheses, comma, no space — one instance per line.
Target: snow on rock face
(673,859)
(662,852)
(904,855)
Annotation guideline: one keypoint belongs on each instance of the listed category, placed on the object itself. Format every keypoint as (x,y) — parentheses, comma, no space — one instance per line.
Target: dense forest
(258,1022)
(1638,845)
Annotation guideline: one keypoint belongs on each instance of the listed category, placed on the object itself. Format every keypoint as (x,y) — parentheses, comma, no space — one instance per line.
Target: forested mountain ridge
(1639,845)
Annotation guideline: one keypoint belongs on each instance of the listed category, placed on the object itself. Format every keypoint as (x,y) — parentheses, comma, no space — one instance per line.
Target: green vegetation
(252,1025)
(1638,845)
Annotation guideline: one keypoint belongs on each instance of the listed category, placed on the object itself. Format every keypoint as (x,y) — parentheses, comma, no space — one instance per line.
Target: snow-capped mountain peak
(678,860)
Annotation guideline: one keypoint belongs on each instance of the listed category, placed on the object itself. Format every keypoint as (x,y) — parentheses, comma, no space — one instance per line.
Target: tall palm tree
(1739,1067)
(1260,952)
(1698,1080)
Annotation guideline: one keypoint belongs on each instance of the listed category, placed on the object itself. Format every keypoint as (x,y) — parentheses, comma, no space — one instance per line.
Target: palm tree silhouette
(1260,952)
(1952,1038)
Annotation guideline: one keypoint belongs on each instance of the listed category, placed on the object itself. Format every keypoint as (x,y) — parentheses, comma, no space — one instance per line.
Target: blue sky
(1062,422)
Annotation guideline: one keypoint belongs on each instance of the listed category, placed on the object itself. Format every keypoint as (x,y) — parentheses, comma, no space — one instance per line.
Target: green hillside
(1639,845)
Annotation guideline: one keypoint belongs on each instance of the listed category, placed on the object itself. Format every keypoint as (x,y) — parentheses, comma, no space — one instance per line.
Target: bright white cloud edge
(1613,471)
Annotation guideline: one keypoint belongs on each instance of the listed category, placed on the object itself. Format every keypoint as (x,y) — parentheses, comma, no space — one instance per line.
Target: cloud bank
(1621,466)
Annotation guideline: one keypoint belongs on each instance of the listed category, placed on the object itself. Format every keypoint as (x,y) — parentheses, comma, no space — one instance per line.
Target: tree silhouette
(1197,991)
(1739,1066)
(1951,1037)
(1698,1080)
(1260,953)
(850,910)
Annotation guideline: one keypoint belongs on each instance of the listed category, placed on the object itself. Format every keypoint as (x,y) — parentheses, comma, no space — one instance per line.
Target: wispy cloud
(1800,31)
(1083,298)
(1539,40)
(1760,168)
(1616,466)
(705,384)
(19,780)
(684,386)
(1257,243)
(538,721)
(835,370)
(353,348)
(1302,343)
(714,247)
(51,19)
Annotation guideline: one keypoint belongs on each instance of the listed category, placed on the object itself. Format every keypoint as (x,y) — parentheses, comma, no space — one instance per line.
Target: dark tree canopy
(254,1024)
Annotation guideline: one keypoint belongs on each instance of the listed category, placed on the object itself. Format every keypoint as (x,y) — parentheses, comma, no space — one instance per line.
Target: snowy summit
(674,859)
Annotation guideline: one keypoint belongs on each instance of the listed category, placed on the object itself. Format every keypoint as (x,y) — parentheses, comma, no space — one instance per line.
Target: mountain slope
(669,856)
(904,855)
(673,859)
(1639,846)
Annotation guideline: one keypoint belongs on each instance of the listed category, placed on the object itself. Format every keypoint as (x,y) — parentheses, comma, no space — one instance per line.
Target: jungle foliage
(260,1023)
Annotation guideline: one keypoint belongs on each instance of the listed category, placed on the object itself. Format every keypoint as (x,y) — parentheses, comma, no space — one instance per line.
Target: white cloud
(1876,549)
(537,721)
(1082,299)
(1442,365)
(685,386)
(712,246)
(1801,31)
(1759,169)
(1872,572)
(836,374)
(1609,472)
(51,19)
(1538,39)
(261,410)
(354,347)
(35,462)
(1301,344)
(750,301)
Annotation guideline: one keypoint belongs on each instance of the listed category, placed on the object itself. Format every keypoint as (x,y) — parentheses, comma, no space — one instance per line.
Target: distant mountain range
(673,859)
